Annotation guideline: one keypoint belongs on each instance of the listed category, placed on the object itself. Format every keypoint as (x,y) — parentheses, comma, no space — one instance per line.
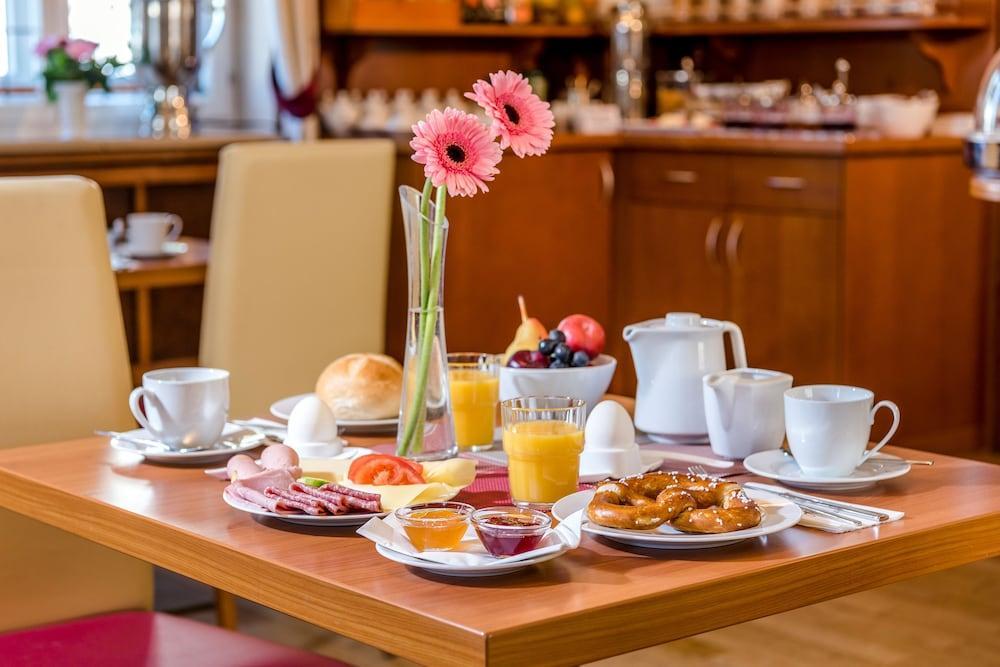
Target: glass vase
(426,429)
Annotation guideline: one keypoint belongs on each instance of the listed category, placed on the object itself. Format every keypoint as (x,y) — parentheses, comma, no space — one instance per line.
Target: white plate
(490,570)
(219,451)
(167,250)
(779,514)
(283,408)
(775,464)
(350,519)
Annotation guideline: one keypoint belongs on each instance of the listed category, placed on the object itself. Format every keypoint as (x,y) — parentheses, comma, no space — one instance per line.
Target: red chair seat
(146,639)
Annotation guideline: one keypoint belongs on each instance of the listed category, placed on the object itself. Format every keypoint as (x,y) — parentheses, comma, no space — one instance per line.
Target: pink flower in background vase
(523,121)
(80,49)
(49,42)
(456,150)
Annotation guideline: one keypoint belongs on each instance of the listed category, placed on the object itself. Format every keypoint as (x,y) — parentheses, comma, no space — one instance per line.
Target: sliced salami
(333,503)
(359,500)
(292,500)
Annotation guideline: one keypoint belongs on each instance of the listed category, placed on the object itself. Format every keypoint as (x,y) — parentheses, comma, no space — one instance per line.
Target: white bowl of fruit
(566,361)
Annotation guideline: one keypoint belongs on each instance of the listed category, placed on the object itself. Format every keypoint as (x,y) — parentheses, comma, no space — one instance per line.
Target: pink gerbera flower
(80,49)
(456,150)
(523,121)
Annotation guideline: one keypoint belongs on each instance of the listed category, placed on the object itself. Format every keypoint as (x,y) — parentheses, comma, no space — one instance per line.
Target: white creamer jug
(671,356)
(745,410)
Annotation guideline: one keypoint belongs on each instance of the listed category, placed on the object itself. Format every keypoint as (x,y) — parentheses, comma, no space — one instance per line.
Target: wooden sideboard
(861,264)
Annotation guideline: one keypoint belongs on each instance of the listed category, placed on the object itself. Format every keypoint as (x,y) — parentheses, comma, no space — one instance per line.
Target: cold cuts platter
(353,517)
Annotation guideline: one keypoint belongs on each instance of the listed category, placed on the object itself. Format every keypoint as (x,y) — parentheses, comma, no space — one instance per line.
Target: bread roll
(362,386)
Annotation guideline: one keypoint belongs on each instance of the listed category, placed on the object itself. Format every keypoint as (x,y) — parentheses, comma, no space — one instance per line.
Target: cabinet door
(667,259)
(785,291)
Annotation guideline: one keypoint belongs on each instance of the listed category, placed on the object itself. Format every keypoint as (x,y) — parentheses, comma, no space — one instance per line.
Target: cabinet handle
(608,180)
(712,240)
(681,176)
(733,243)
(786,183)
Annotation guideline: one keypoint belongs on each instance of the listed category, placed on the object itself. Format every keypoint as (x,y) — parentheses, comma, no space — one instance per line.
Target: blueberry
(557,336)
(558,364)
(562,353)
(546,346)
(580,358)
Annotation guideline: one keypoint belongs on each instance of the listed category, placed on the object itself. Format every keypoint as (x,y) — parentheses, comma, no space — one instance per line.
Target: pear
(528,333)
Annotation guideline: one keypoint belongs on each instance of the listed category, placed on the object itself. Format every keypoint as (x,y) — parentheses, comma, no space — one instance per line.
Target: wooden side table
(146,275)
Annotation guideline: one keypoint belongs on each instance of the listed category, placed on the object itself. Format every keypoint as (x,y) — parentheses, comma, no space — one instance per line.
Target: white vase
(69,104)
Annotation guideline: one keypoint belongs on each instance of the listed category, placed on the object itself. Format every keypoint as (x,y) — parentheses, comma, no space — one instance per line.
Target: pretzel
(691,503)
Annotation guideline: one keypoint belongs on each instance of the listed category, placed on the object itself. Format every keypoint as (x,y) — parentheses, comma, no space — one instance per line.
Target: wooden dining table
(599,600)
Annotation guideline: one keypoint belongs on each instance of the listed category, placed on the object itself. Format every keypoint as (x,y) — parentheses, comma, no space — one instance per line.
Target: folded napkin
(812,519)
(470,552)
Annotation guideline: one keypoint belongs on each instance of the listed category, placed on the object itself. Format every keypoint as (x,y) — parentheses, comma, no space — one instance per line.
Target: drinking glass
(473,378)
(543,438)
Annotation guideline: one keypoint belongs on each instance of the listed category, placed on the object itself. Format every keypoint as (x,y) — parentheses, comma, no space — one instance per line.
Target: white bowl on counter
(898,116)
(587,383)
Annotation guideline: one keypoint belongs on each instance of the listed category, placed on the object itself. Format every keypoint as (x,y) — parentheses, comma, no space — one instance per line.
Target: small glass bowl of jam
(509,531)
(435,526)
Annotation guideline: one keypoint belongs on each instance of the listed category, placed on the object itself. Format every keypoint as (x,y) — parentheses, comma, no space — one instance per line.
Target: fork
(701,470)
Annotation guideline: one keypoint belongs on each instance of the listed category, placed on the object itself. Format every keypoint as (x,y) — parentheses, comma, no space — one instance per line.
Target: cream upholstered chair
(300,246)
(65,373)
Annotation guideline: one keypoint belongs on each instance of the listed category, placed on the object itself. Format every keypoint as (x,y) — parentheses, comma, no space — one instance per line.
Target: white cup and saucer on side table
(148,235)
(828,427)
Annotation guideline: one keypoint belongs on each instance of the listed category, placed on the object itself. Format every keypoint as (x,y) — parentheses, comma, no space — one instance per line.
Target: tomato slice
(385,469)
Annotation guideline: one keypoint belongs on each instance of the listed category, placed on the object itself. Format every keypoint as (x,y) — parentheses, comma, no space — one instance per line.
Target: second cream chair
(65,373)
(300,245)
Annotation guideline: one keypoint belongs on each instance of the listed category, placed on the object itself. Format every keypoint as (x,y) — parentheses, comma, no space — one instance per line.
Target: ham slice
(279,478)
(252,496)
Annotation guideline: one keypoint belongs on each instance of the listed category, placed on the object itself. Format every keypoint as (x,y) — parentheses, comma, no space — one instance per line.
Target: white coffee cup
(183,407)
(147,232)
(828,427)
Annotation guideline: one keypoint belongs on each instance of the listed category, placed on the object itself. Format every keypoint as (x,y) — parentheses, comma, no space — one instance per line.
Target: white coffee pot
(671,357)
(745,410)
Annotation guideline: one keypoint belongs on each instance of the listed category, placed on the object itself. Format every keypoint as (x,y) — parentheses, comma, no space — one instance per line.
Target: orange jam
(435,526)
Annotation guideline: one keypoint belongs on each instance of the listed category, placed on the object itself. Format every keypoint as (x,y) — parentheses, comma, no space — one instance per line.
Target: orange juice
(474,395)
(543,460)
(435,529)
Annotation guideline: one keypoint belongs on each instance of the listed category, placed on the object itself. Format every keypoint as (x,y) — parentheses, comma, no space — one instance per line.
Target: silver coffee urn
(630,57)
(169,40)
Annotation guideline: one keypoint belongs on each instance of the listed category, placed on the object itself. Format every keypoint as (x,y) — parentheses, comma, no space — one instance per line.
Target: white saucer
(779,514)
(167,250)
(217,452)
(775,464)
(651,460)
(451,570)
(350,519)
(283,408)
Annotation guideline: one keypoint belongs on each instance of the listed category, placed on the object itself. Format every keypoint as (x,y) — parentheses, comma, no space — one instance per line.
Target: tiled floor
(950,618)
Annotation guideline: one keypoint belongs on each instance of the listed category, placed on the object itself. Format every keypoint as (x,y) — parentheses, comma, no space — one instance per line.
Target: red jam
(509,531)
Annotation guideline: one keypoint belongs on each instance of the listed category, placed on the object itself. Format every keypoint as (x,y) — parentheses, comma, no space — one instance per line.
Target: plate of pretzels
(666,510)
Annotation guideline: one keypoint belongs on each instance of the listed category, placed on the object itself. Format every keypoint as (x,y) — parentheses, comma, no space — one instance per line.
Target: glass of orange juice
(543,438)
(473,378)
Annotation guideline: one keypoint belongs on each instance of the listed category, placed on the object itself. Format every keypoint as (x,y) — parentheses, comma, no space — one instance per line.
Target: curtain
(295,42)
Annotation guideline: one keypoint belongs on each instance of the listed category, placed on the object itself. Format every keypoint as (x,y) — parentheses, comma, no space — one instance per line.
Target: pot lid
(679,322)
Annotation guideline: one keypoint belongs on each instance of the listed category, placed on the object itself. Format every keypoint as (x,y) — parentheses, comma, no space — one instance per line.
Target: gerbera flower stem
(413,432)
(425,209)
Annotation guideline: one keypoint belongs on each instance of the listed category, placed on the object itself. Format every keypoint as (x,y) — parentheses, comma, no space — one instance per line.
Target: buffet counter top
(790,142)
(37,151)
